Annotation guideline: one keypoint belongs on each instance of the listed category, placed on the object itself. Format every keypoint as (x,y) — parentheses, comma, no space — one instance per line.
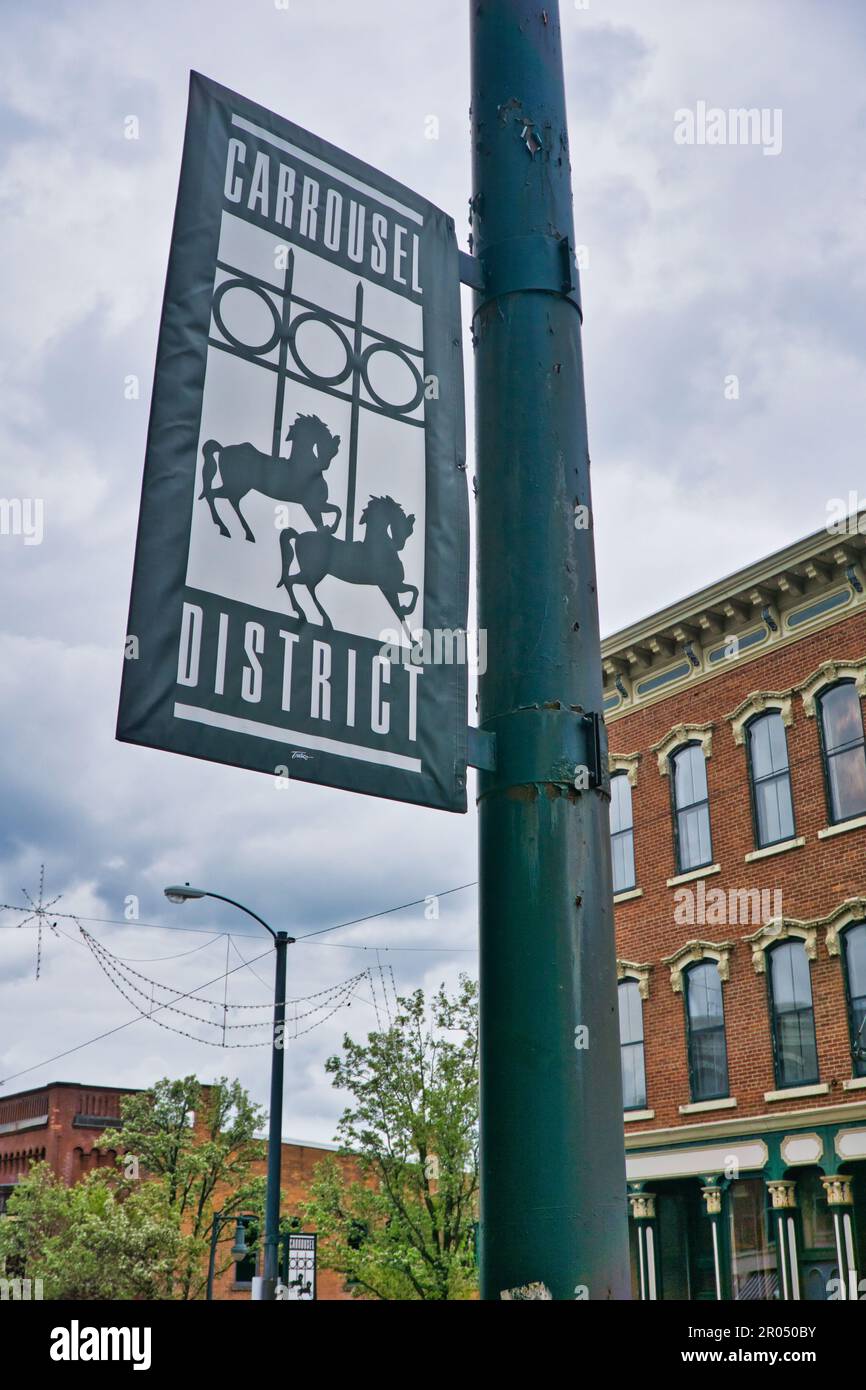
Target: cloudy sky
(704,262)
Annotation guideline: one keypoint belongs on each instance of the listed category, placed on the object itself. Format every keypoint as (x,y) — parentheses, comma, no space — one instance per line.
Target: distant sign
(299,597)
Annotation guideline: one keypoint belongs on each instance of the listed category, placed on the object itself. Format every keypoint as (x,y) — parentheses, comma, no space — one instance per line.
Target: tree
(199,1143)
(404,1227)
(90,1241)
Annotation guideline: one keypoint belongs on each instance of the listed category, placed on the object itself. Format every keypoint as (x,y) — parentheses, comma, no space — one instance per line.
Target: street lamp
(239,1249)
(181,893)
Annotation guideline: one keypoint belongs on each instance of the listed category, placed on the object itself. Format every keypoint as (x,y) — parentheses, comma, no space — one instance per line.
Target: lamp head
(181,893)
(240,1250)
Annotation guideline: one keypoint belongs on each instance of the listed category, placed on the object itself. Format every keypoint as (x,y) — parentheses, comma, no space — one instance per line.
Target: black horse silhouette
(374,560)
(243,469)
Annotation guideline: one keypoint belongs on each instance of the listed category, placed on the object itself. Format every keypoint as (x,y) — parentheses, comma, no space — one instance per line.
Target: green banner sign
(299,597)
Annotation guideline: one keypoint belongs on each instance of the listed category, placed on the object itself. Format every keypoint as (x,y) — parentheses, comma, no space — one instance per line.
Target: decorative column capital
(783,1194)
(712,1195)
(643,1205)
(838,1191)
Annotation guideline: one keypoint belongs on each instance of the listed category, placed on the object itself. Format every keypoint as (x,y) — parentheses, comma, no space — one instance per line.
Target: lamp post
(181,893)
(239,1249)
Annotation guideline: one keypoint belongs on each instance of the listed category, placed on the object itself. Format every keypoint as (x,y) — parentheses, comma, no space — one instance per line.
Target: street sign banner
(299,596)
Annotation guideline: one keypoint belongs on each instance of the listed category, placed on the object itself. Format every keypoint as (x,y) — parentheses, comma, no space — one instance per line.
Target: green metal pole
(553,1196)
(275,1126)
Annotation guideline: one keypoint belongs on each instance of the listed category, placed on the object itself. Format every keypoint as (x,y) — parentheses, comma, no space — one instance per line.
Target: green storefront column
(783,1196)
(643,1210)
(713,1193)
(838,1192)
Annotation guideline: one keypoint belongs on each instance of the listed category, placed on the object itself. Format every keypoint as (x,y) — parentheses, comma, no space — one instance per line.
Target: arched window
(772,805)
(842,746)
(855,987)
(691,808)
(705,1020)
(794,1050)
(621,833)
(631,1046)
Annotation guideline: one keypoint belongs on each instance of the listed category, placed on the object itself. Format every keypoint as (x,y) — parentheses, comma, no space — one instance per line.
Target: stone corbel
(624,762)
(629,970)
(679,735)
(694,951)
(827,674)
(781,929)
(759,702)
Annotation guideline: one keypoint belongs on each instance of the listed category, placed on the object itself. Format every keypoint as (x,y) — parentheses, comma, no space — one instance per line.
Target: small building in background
(62,1124)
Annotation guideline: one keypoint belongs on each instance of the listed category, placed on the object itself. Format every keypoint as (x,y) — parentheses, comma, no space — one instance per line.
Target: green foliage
(405,1228)
(91,1241)
(199,1166)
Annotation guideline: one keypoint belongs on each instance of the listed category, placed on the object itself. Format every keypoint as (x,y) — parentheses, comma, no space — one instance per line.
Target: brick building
(738,821)
(62,1123)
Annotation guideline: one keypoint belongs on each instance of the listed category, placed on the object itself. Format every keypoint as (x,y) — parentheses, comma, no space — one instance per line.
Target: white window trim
(842,827)
(769,850)
(627,894)
(694,874)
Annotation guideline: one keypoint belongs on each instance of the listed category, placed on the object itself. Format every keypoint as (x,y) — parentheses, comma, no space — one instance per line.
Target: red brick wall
(814,879)
(299,1162)
(68,1148)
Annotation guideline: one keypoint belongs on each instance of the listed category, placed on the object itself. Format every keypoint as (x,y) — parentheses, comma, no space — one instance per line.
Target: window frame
(773,776)
(768,967)
(687,973)
(858,1065)
(675,809)
(615,834)
(641,1043)
(826,754)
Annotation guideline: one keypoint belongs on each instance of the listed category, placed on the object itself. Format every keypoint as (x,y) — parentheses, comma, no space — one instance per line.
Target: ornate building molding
(624,762)
(680,734)
(838,1191)
(630,970)
(827,674)
(758,702)
(783,1194)
(643,1205)
(695,951)
(712,1195)
(851,910)
(781,929)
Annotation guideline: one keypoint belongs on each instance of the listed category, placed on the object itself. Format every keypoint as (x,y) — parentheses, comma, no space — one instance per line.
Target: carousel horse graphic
(298,478)
(375,560)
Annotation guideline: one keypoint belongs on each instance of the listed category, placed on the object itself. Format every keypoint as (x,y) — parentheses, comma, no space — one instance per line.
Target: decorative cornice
(695,951)
(781,929)
(630,970)
(758,702)
(827,674)
(680,734)
(624,762)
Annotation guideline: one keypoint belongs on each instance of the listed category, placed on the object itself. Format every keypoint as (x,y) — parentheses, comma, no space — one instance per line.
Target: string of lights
(337,996)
